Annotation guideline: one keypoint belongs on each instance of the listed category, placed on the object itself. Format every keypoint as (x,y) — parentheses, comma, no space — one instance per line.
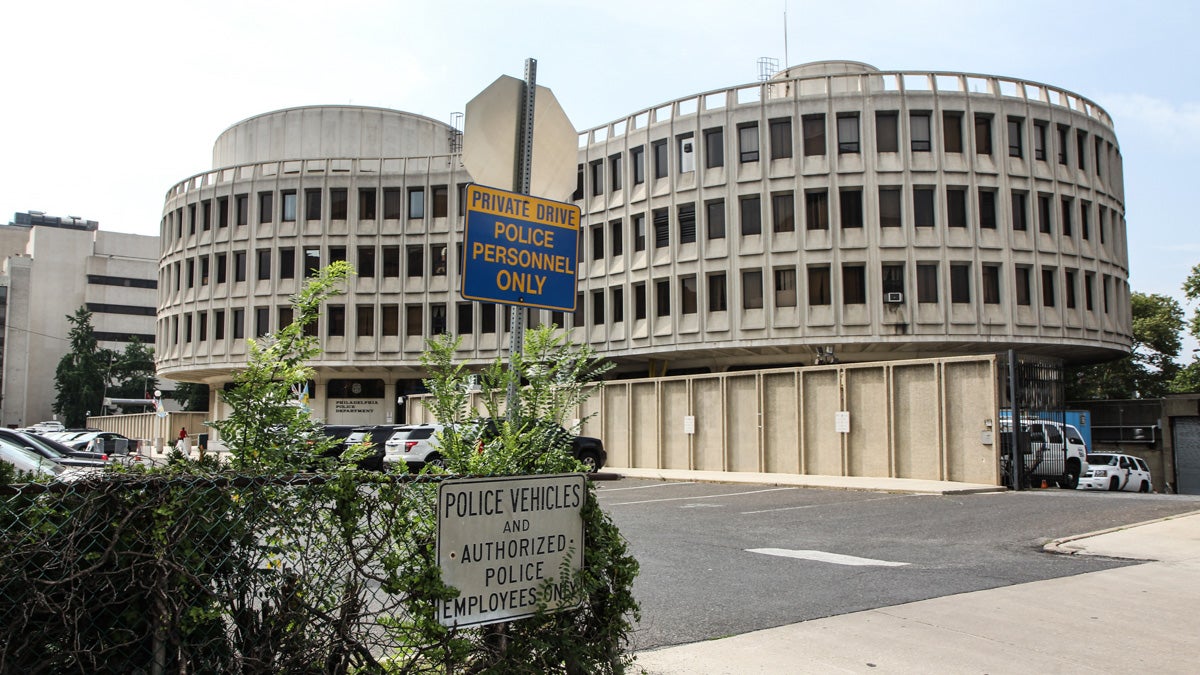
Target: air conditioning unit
(687,155)
(893,297)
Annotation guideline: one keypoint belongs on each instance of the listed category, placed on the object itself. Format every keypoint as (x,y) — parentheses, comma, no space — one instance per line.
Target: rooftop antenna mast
(785,45)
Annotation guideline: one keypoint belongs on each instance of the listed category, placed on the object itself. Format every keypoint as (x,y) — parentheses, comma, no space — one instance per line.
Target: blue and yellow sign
(520,250)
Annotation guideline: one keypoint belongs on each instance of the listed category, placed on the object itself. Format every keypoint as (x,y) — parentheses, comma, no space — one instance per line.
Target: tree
(1187,381)
(79,379)
(133,374)
(1149,370)
(192,396)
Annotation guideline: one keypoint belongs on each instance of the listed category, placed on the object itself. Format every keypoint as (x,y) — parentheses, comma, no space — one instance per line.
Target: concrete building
(834,212)
(52,267)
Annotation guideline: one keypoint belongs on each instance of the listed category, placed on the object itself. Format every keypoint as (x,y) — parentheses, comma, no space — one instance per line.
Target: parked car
(1108,471)
(415,445)
(1057,452)
(28,462)
(588,450)
(46,427)
(348,435)
(102,443)
(51,450)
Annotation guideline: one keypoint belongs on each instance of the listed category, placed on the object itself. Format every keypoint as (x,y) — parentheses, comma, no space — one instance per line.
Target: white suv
(415,445)
(1116,472)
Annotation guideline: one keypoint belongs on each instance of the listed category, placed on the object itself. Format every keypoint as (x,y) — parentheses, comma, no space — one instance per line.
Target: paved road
(701,577)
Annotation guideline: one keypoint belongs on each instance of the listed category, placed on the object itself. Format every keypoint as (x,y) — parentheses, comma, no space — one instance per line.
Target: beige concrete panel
(867,402)
(614,424)
(742,404)
(781,423)
(676,443)
(916,424)
(970,404)
(820,402)
(644,424)
(708,446)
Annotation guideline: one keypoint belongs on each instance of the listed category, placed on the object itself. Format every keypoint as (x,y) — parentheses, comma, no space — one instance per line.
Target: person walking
(180,444)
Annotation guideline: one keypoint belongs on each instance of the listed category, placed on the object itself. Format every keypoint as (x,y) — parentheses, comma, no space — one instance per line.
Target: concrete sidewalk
(1128,619)
(906,485)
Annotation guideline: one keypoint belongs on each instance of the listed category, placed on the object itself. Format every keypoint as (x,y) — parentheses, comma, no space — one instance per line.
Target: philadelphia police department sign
(510,545)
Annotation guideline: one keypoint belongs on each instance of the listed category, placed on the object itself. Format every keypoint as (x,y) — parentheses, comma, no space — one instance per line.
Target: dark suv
(588,450)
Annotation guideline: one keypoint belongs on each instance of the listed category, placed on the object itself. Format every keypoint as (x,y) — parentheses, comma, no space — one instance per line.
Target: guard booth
(1032,394)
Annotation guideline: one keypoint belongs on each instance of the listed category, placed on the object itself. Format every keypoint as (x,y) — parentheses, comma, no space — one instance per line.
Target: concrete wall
(908,419)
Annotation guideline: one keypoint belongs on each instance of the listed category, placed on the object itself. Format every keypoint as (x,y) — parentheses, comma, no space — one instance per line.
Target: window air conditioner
(893,297)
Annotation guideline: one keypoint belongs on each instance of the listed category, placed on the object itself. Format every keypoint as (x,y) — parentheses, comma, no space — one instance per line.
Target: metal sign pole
(521,174)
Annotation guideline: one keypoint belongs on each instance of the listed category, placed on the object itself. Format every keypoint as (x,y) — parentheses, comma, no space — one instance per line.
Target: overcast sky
(105,105)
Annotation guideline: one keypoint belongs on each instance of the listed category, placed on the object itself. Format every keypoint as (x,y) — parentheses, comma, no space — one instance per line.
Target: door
(1187,455)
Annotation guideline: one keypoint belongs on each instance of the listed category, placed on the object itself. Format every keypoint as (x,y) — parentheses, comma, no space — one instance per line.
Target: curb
(1059,546)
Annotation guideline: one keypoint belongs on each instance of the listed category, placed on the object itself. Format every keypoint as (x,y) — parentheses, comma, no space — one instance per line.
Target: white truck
(1056,452)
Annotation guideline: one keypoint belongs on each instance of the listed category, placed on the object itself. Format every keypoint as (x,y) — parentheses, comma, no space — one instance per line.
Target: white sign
(504,542)
(841,421)
(689,424)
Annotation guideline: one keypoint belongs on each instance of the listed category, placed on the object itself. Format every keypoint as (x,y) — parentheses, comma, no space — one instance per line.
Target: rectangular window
(717,298)
(848,136)
(263,264)
(781,136)
(813,127)
(598,242)
(637,157)
(218,324)
(366,262)
(991,284)
(487,318)
(783,212)
(893,278)
(312,204)
(465,318)
(854,284)
(222,221)
(598,308)
(748,143)
(785,287)
(1085,219)
(751,214)
(364,321)
(956,207)
(191,273)
(1048,274)
(816,210)
(851,208)
(688,294)
(752,289)
(889,207)
(1081,149)
(335,326)
(337,254)
(1089,293)
(662,227)
(927,282)
(204,263)
(1068,208)
(366,203)
(1064,134)
(389,320)
(262,321)
(1069,288)
(339,203)
(414,320)
(415,259)
(1024,286)
(1039,139)
(639,231)
(391,261)
(714,216)
(662,297)
(887,139)
(987,209)
(416,203)
(919,129)
(819,292)
(288,199)
(597,171)
(221,267)
(614,171)
(686,213)
(983,134)
(639,301)
(616,230)
(241,207)
(960,283)
(923,201)
(714,147)
(440,262)
(239,324)
(206,210)
(441,203)
(1044,224)
(952,131)
(1020,212)
(392,203)
(617,297)
(265,202)
(239,265)
(661,168)
(1016,145)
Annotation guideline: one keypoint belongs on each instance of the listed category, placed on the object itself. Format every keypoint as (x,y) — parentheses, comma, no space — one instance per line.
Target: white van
(1057,452)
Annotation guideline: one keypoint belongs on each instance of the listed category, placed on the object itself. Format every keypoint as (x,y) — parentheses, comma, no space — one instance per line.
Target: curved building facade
(833,212)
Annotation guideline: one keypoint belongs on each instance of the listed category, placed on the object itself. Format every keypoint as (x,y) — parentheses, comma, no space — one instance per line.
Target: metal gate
(1187,455)
(1034,396)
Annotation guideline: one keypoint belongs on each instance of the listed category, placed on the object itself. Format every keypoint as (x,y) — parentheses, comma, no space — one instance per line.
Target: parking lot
(719,559)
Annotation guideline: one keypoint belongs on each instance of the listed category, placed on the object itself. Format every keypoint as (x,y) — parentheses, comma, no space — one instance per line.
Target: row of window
(608,172)
(607,306)
(1071,215)
(221,211)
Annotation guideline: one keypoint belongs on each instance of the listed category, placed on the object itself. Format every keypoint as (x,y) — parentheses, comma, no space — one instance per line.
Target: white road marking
(643,487)
(728,494)
(825,556)
(700,506)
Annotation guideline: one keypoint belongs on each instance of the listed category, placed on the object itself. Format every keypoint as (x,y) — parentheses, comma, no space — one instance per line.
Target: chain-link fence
(220,573)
